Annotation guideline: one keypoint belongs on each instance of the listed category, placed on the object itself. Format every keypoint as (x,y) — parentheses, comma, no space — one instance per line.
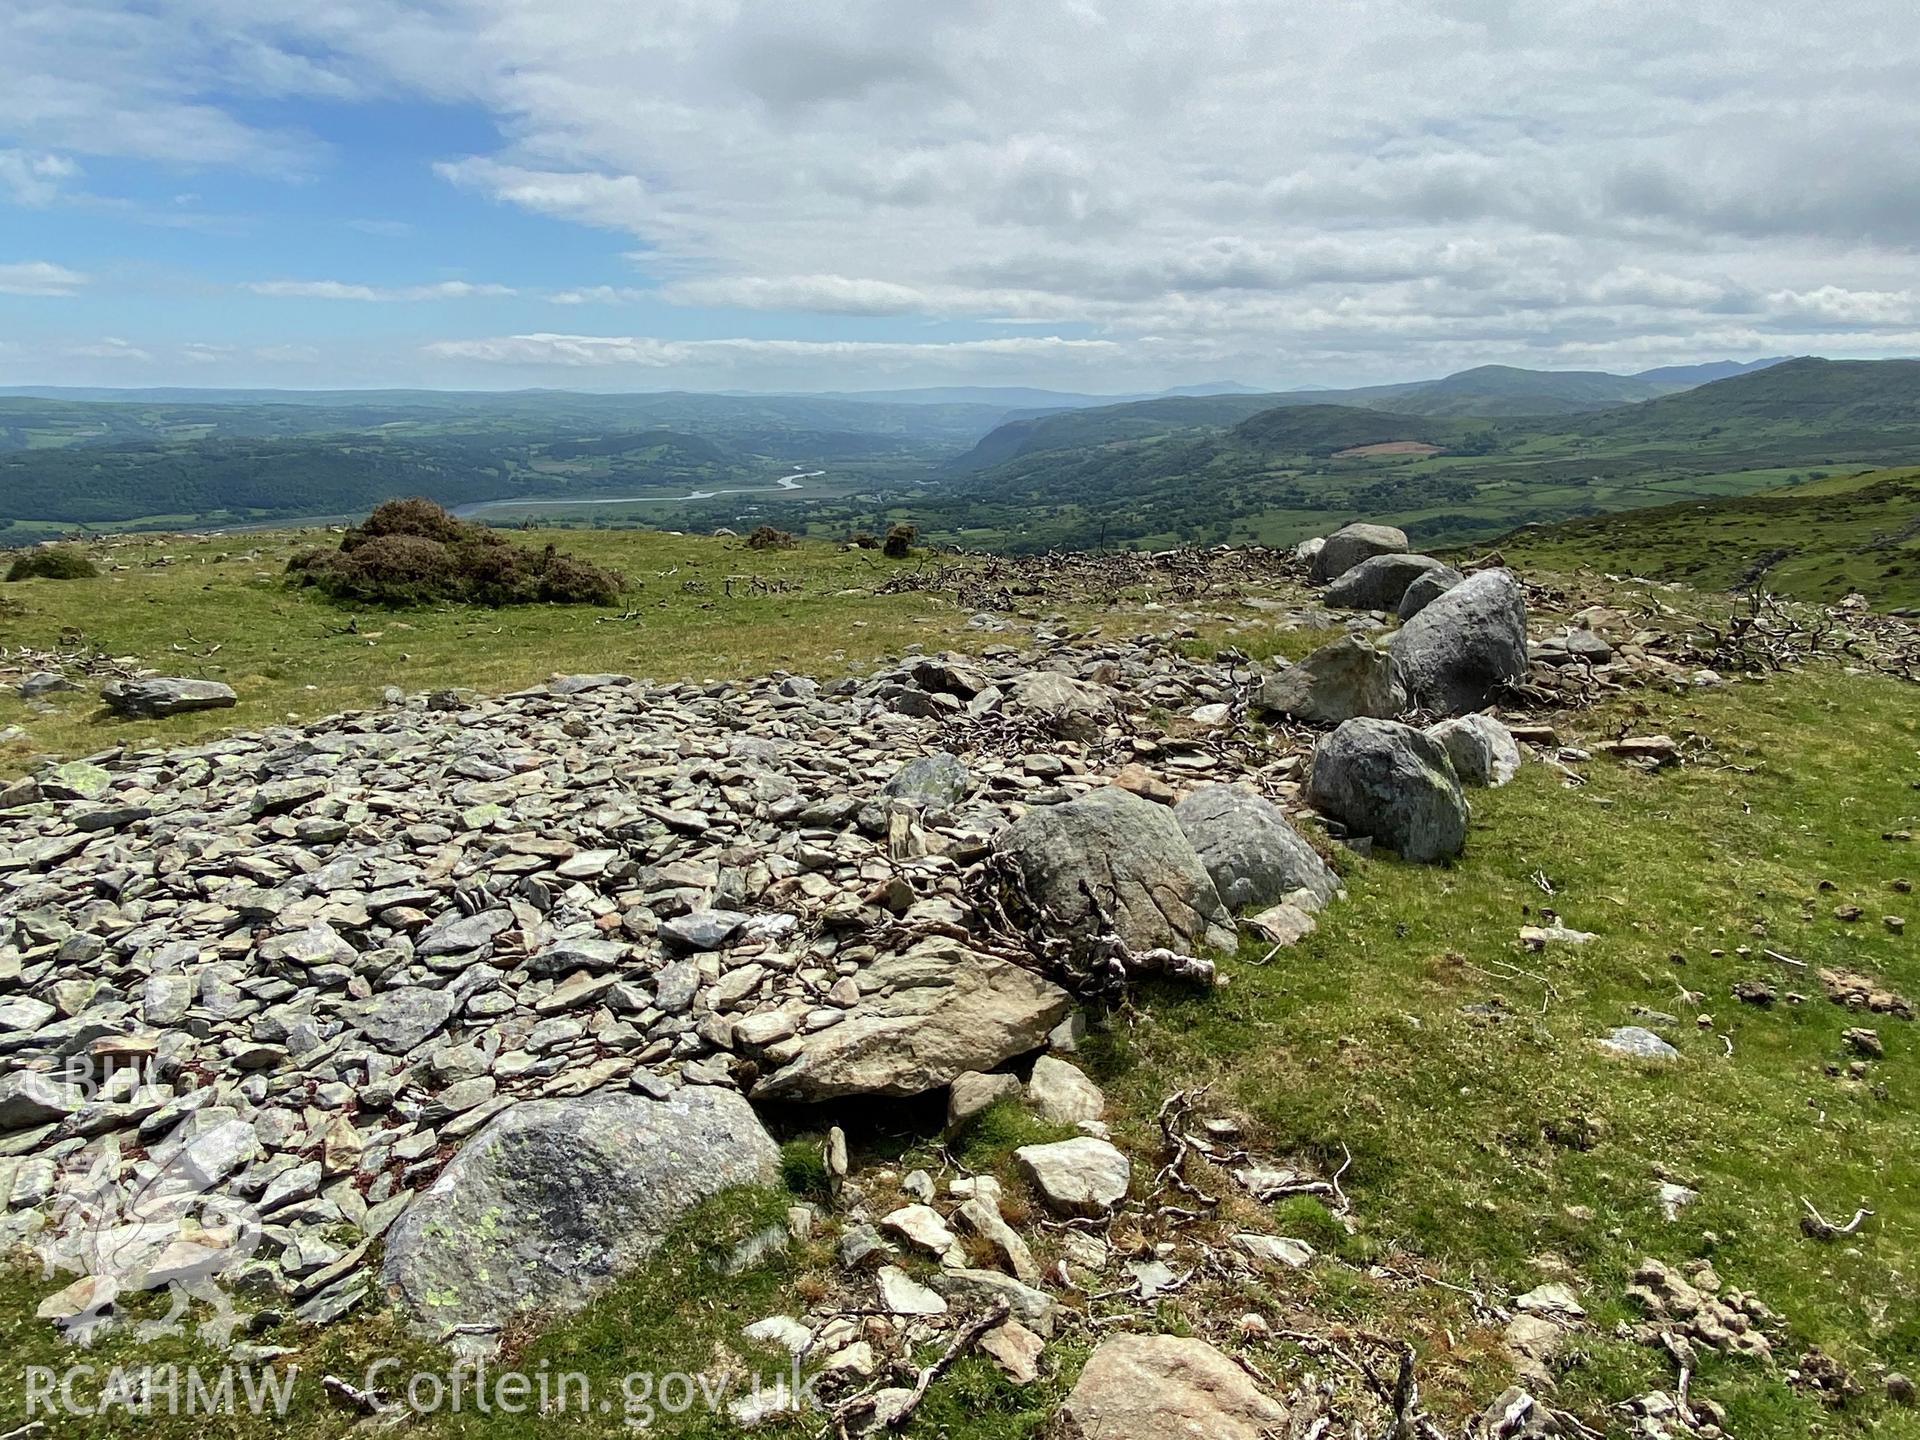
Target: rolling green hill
(1105,424)
(1817,541)
(1486,392)
(1326,430)
(1292,470)
(1867,400)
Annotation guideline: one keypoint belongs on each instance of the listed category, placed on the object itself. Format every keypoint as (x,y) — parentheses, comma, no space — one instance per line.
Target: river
(785,482)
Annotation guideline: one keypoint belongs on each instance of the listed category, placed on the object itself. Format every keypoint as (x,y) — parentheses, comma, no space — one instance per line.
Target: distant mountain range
(1461,456)
(1487,391)
(1445,460)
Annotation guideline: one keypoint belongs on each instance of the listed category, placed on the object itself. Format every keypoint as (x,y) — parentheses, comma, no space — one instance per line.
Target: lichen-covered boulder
(935,780)
(1458,653)
(1483,751)
(1334,683)
(1351,544)
(554,1198)
(1427,587)
(1072,709)
(1253,855)
(1379,583)
(1393,782)
(1134,858)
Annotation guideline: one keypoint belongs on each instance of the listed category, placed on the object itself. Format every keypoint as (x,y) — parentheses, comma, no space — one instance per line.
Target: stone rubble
(323,962)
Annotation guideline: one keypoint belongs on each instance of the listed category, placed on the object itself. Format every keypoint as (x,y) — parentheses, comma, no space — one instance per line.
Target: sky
(1097,195)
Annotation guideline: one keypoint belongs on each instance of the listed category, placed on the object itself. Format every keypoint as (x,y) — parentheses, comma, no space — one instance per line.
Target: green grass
(1488,1151)
(1459,1126)
(1819,540)
(219,609)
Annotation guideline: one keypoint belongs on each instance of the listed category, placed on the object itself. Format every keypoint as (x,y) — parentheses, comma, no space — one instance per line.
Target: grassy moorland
(1819,540)
(1492,1146)
(220,609)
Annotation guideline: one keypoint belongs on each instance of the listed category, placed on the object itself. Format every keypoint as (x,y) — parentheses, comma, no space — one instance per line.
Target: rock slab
(157,697)
(554,1198)
(1166,1387)
(929,1015)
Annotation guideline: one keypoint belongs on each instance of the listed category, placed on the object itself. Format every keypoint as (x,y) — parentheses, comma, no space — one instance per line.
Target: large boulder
(1393,782)
(1334,683)
(1072,709)
(1135,859)
(1351,544)
(1252,854)
(1426,588)
(157,697)
(1166,1387)
(1483,751)
(1380,583)
(1465,646)
(926,1017)
(554,1198)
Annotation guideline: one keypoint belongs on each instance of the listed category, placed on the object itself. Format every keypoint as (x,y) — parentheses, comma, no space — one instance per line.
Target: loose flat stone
(1082,1176)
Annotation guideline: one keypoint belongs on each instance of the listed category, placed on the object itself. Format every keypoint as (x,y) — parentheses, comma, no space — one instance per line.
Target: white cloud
(111,347)
(1286,193)
(39,277)
(34,179)
(653,353)
(343,290)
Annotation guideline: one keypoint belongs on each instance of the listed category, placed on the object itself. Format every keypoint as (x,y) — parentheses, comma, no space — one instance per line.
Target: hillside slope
(1817,541)
(1388,1138)
(1303,466)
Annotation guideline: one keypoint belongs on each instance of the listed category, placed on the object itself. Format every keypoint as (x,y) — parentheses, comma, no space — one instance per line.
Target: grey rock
(44,682)
(1133,855)
(1253,855)
(23,1015)
(932,1013)
(1082,1176)
(1636,1042)
(1483,751)
(565,956)
(1351,544)
(1458,653)
(938,780)
(1337,682)
(1072,709)
(564,685)
(1166,1387)
(1394,783)
(702,929)
(1427,587)
(1381,582)
(155,698)
(554,1198)
(1061,1094)
(28,1099)
(973,1092)
(456,934)
(400,1019)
